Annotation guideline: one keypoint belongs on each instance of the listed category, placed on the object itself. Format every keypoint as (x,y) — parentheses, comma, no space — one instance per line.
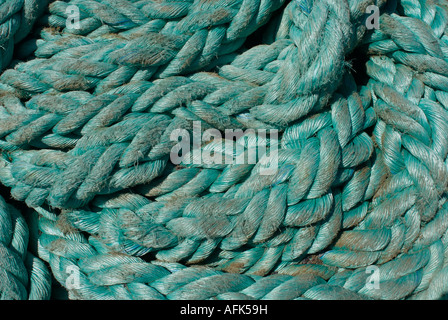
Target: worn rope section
(23,276)
(85,128)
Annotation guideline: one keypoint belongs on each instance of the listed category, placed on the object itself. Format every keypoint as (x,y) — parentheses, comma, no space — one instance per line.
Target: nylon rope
(94,201)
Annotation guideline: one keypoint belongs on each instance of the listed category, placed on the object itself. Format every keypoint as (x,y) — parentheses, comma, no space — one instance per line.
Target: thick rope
(85,128)
(23,276)
(17,19)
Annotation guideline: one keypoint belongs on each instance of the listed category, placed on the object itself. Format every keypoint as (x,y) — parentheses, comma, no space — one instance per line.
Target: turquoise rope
(85,127)
(23,276)
(16,22)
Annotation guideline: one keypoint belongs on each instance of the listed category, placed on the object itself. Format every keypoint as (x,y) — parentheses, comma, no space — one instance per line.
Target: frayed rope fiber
(93,202)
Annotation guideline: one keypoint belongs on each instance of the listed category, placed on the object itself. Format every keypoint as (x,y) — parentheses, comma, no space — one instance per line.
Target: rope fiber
(92,91)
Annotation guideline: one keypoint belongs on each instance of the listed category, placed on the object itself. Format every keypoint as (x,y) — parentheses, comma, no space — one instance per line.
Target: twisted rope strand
(86,127)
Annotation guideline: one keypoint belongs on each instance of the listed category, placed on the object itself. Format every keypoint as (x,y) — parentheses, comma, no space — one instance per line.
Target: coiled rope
(86,125)
(22,274)
(17,19)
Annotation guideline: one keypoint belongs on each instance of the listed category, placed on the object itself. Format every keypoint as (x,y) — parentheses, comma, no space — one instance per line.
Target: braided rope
(22,275)
(16,22)
(361,177)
